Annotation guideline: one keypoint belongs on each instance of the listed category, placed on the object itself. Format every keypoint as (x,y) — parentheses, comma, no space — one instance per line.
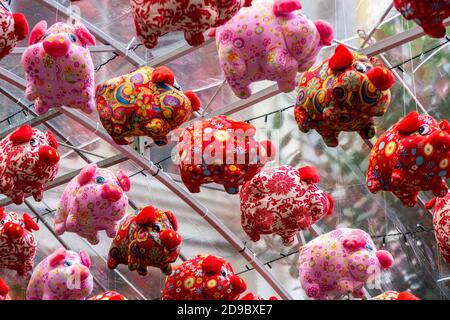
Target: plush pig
(340,262)
(146,102)
(344,93)
(251,296)
(108,295)
(28,160)
(441,223)
(221,150)
(93,201)
(430,15)
(13,28)
(17,242)
(271,40)
(193,17)
(205,277)
(4,290)
(394,295)
(283,201)
(59,68)
(411,156)
(147,238)
(64,275)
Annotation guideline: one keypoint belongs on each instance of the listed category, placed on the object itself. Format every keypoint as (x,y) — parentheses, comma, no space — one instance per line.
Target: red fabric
(342,58)
(22,134)
(163,75)
(109,295)
(4,290)
(381,78)
(20,25)
(13,28)
(441,224)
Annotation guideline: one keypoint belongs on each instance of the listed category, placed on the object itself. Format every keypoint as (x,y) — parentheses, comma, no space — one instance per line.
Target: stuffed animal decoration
(441,223)
(146,102)
(28,160)
(4,290)
(193,17)
(429,14)
(64,275)
(13,28)
(147,238)
(394,295)
(109,295)
(283,201)
(205,277)
(221,150)
(411,156)
(339,263)
(93,201)
(271,40)
(59,68)
(343,93)
(17,242)
(251,296)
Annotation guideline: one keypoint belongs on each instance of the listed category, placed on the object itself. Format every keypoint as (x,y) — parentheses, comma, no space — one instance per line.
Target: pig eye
(67,263)
(2,222)
(100,180)
(72,38)
(369,247)
(45,36)
(424,130)
(22,224)
(34,143)
(360,67)
(224,272)
(157,228)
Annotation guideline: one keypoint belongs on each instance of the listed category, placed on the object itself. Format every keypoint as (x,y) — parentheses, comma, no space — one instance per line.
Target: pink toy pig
(64,275)
(441,223)
(93,201)
(59,67)
(271,40)
(340,262)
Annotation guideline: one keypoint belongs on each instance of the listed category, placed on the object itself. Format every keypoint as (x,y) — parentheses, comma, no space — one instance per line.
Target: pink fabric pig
(340,262)
(271,40)
(64,275)
(59,67)
(441,223)
(93,201)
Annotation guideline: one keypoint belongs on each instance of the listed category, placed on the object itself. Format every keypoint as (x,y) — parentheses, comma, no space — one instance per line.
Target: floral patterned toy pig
(441,223)
(59,67)
(64,275)
(411,156)
(339,263)
(193,17)
(283,201)
(343,93)
(147,238)
(146,102)
(17,242)
(429,14)
(13,28)
(108,295)
(93,201)
(205,277)
(4,290)
(28,160)
(221,150)
(271,40)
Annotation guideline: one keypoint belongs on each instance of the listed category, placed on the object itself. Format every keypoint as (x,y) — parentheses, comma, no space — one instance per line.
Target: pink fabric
(59,68)
(256,44)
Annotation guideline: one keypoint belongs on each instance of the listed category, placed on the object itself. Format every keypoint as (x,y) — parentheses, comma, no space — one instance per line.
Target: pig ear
(87,174)
(430,204)
(85,36)
(22,135)
(4,289)
(172,220)
(85,259)
(51,139)
(58,256)
(342,58)
(309,174)
(284,7)
(410,123)
(163,74)
(29,223)
(212,265)
(38,32)
(20,26)
(444,125)
(147,216)
(124,180)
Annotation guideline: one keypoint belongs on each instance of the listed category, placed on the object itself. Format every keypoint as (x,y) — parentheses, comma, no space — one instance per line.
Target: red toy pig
(441,223)
(13,28)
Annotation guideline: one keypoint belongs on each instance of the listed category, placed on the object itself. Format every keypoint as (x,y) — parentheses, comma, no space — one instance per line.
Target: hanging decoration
(93,201)
(441,223)
(13,28)
(411,156)
(205,277)
(146,102)
(283,201)
(59,68)
(34,155)
(271,40)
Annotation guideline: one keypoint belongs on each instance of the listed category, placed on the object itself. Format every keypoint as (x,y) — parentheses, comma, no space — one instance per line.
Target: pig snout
(82,272)
(48,155)
(440,140)
(170,238)
(385,258)
(13,230)
(111,192)
(57,46)
(239,285)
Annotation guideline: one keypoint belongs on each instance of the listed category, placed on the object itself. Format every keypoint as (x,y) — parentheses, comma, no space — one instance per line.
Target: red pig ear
(85,259)
(87,39)
(309,174)
(444,125)
(22,135)
(58,256)
(172,220)
(38,32)
(4,289)
(212,265)
(29,223)
(410,123)
(147,216)
(406,296)
(87,174)
(342,58)
(51,139)
(163,74)
(20,26)
(2,212)
(194,99)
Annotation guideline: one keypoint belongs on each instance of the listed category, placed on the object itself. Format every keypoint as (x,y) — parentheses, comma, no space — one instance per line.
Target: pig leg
(93,238)
(193,188)
(231,188)
(282,67)
(312,290)
(368,132)
(38,192)
(31,92)
(72,222)
(167,269)
(345,286)
(194,38)
(287,85)
(409,199)
(302,118)
(60,224)
(40,106)
(112,263)
(19,197)
(373,184)
(440,188)
(331,139)
(111,230)
(121,141)
(358,293)
(254,236)
(288,239)
(89,107)
(6,183)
